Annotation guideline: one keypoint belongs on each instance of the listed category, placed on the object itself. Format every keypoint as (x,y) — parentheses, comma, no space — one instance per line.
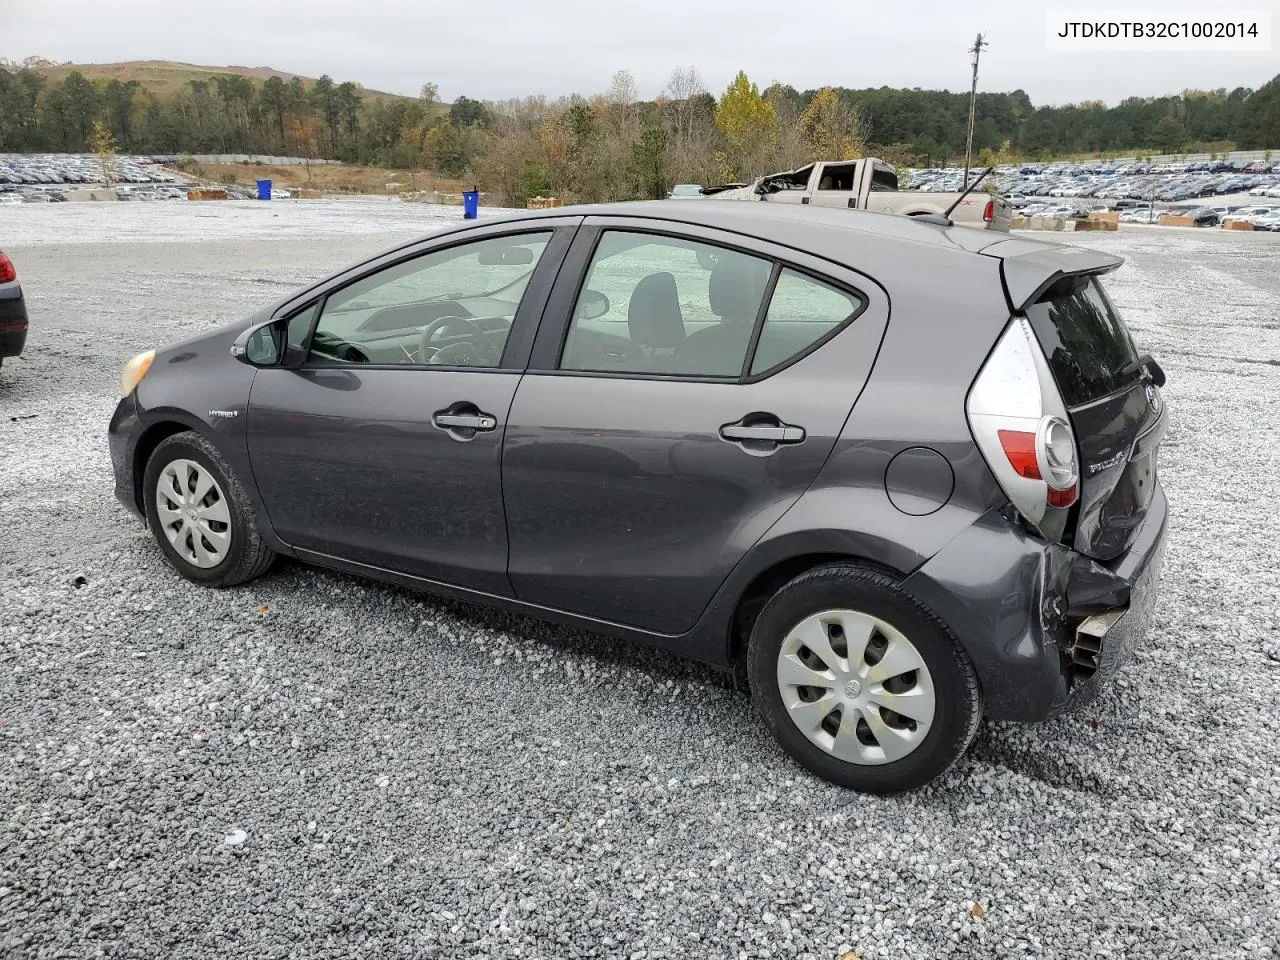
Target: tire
(824,602)
(233,552)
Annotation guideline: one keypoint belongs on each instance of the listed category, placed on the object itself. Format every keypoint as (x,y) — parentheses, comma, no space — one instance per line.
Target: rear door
(1115,410)
(686,386)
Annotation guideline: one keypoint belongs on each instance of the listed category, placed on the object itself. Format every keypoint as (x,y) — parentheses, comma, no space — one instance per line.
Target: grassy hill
(165,78)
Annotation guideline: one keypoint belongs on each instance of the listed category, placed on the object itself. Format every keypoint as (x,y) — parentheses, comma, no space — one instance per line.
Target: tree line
(613,145)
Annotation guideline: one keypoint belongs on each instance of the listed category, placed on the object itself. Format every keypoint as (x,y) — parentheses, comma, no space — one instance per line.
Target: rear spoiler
(1030,268)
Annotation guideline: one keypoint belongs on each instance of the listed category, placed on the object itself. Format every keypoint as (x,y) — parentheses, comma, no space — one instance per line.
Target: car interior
(697,318)
(381,320)
(672,307)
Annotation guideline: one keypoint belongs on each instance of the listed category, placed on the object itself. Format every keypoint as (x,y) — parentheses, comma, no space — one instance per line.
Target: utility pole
(974,53)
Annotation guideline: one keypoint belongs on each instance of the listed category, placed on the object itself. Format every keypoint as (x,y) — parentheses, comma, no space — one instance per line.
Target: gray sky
(501,48)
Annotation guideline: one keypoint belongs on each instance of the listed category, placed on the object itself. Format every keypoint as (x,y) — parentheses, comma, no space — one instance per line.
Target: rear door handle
(782,434)
(480,421)
(765,428)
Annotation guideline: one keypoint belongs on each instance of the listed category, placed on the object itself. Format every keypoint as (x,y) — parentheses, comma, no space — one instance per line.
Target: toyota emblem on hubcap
(853,688)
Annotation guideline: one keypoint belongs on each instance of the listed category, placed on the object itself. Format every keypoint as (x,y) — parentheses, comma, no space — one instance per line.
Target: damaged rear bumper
(1045,626)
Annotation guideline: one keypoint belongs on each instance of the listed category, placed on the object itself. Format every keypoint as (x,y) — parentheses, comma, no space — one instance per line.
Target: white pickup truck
(868,184)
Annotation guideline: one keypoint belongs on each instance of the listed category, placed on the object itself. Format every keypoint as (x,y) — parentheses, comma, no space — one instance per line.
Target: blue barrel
(470,204)
(264,189)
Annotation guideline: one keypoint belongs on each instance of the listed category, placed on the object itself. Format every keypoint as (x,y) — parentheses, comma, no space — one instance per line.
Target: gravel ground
(315,766)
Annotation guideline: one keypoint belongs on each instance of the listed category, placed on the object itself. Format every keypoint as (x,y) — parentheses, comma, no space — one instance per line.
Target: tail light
(1021,426)
(989,211)
(7,273)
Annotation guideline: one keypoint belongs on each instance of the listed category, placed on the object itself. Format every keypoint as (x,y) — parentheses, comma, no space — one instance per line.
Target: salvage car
(13,311)
(747,433)
(869,184)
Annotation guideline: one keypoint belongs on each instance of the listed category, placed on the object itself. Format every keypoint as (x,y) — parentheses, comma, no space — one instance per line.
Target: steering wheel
(443,323)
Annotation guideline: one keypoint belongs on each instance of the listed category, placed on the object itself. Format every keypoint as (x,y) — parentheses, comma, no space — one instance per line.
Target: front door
(384,447)
(694,394)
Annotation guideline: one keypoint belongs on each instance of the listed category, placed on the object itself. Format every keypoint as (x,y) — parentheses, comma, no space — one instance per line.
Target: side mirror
(265,345)
(1155,373)
(592,304)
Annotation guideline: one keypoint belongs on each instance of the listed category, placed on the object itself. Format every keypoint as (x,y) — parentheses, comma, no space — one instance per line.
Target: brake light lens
(1020,424)
(1049,454)
(7,272)
(989,211)
(1020,447)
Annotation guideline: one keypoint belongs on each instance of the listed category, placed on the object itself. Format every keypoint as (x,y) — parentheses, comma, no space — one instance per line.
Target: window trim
(581,255)
(757,326)
(524,325)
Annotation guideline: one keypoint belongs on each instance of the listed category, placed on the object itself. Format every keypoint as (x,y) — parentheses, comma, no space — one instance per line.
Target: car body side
(960,549)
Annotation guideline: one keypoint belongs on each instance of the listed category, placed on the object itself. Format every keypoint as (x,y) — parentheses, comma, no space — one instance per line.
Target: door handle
(462,421)
(762,428)
(480,421)
(781,434)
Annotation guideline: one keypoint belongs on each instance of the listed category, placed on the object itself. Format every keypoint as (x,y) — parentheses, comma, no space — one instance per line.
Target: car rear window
(1088,346)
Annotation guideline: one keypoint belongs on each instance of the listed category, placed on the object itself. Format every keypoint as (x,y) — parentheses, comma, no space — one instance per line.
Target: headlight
(134,371)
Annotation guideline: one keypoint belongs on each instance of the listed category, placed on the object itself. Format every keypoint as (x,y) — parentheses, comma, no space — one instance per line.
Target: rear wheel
(200,513)
(860,682)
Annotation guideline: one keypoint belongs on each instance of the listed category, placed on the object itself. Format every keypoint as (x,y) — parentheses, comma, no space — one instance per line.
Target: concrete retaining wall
(101,193)
(1055,224)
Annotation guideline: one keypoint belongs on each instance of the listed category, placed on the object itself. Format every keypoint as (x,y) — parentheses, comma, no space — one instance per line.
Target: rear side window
(665,306)
(658,305)
(1088,346)
(803,311)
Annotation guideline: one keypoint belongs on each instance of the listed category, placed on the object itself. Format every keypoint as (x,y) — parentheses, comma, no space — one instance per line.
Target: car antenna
(973,186)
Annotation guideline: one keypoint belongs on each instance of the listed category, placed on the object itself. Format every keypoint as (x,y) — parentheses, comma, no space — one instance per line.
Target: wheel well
(147,443)
(768,581)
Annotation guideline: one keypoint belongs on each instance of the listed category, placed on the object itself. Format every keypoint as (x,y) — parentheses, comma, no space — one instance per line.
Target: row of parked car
(1264,217)
(72,168)
(1113,183)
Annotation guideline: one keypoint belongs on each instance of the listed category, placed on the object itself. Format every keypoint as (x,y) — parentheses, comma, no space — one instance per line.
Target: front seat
(654,319)
(734,291)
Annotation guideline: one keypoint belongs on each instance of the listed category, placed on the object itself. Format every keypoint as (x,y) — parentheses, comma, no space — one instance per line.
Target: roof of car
(823,231)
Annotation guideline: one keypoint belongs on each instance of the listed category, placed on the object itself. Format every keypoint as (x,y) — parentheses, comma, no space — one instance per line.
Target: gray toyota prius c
(890,474)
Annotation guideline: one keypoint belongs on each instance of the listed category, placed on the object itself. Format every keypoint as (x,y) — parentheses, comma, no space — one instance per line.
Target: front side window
(452,307)
(802,312)
(299,325)
(838,176)
(665,305)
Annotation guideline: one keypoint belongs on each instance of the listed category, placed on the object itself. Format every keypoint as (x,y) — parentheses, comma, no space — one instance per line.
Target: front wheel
(200,513)
(861,683)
